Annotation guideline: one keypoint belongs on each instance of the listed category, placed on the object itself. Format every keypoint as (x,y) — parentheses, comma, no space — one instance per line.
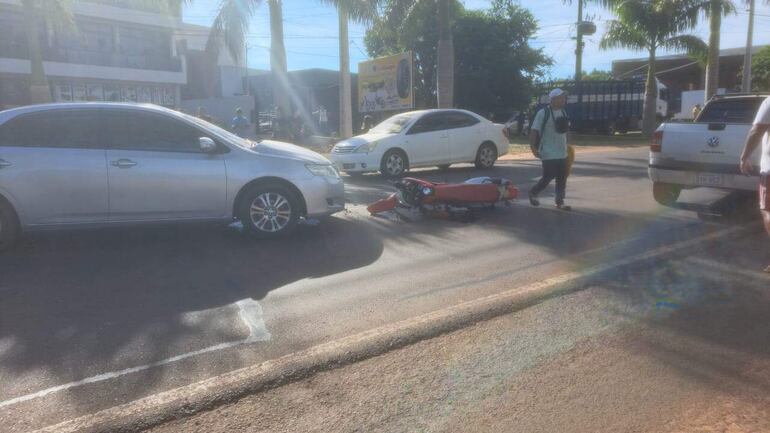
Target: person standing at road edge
(760,131)
(240,124)
(548,141)
(696,111)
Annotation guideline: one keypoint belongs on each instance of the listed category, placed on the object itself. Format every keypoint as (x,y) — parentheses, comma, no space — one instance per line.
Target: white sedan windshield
(393,125)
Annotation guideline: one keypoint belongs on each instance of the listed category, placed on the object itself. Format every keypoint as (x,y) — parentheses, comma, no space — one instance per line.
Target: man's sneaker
(563,206)
(533,200)
(767,269)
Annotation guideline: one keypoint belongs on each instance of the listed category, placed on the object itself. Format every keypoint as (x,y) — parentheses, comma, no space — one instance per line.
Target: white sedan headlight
(323,170)
(366,148)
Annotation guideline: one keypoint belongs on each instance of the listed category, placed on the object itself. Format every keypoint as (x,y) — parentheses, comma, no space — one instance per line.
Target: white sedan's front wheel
(394,164)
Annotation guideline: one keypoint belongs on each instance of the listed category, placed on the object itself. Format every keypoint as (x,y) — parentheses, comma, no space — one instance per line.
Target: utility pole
(579,48)
(746,84)
(346,109)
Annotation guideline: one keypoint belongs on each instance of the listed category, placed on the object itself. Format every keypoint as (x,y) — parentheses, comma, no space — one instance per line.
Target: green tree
(398,12)
(760,70)
(714,11)
(57,14)
(650,25)
(494,65)
(597,75)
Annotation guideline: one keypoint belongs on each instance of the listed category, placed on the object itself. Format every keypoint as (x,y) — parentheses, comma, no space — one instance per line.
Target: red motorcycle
(445,200)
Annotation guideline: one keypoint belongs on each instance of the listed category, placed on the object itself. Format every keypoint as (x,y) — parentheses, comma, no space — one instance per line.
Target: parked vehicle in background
(84,164)
(422,139)
(705,153)
(605,107)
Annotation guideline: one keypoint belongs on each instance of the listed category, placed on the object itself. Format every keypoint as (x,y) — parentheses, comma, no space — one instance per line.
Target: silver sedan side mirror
(207,145)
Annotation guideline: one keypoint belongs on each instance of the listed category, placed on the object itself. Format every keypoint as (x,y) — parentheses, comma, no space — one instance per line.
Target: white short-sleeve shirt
(763,118)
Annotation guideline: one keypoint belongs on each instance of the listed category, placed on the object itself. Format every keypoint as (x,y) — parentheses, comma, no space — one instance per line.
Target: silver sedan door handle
(4,163)
(123,163)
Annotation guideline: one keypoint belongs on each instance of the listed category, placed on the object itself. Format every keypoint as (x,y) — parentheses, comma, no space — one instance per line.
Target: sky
(311,34)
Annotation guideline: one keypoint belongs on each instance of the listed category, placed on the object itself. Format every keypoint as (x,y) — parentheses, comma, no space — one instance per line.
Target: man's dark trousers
(553,169)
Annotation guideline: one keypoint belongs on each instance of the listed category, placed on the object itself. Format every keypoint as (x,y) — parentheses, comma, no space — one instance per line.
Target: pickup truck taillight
(657,141)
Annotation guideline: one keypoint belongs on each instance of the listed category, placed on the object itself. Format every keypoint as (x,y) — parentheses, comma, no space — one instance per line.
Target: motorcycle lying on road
(455,201)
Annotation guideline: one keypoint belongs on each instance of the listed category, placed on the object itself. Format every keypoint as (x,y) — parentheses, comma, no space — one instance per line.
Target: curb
(207,394)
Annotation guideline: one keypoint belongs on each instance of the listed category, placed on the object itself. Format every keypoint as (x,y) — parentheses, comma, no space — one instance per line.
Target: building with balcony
(117,50)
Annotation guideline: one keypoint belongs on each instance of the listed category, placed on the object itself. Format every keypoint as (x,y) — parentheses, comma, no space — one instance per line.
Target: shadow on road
(73,303)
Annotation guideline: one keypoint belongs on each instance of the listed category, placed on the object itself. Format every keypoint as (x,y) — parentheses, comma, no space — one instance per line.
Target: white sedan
(422,139)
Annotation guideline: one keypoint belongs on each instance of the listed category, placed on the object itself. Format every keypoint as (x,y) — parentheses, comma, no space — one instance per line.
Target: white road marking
(249,311)
(729,269)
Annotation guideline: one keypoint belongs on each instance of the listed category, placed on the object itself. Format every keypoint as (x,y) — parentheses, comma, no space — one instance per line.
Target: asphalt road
(89,320)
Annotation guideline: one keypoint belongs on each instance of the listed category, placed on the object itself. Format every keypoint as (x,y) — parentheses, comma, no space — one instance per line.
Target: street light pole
(747,57)
(579,48)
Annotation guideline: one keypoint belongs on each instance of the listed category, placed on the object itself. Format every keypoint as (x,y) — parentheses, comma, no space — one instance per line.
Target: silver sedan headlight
(323,170)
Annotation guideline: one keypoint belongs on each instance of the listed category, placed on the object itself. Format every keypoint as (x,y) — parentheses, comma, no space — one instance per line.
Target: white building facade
(117,51)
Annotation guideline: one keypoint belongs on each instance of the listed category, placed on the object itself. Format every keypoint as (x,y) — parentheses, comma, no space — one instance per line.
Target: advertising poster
(385,84)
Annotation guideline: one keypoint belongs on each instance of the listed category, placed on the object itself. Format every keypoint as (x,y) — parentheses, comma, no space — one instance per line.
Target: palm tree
(58,13)
(714,10)
(232,23)
(362,11)
(398,11)
(650,25)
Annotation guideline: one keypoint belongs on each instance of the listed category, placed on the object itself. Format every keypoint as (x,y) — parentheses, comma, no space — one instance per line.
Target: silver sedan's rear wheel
(394,164)
(269,210)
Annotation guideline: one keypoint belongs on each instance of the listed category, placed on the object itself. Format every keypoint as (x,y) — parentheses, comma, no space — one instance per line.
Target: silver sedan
(87,164)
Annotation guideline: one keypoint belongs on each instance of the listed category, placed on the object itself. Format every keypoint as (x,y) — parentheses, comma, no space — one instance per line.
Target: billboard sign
(385,84)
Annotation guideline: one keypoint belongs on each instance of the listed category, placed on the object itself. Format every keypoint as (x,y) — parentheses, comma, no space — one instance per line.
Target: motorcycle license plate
(710,179)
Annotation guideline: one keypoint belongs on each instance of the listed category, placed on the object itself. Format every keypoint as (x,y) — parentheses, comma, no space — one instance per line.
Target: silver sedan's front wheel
(269,210)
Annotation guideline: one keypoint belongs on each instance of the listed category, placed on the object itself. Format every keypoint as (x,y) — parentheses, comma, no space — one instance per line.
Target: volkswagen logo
(713,141)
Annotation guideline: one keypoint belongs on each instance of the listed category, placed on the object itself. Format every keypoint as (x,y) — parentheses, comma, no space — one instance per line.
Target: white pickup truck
(706,152)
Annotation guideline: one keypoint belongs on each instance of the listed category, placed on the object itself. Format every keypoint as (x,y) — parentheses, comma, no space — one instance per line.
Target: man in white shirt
(760,132)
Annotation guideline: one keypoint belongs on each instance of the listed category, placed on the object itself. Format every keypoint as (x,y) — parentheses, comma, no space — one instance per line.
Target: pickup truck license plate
(710,179)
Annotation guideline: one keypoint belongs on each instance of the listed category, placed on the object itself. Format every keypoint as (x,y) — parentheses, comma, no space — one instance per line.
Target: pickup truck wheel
(9,226)
(666,193)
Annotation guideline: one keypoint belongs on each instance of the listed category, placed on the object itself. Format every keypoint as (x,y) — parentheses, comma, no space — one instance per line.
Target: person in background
(520,122)
(548,141)
(278,123)
(323,118)
(240,124)
(760,132)
(696,111)
(367,124)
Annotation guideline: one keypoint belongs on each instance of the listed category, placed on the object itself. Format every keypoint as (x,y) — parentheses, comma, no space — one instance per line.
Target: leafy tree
(649,25)
(760,71)
(494,65)
(398,12)
(597,75)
